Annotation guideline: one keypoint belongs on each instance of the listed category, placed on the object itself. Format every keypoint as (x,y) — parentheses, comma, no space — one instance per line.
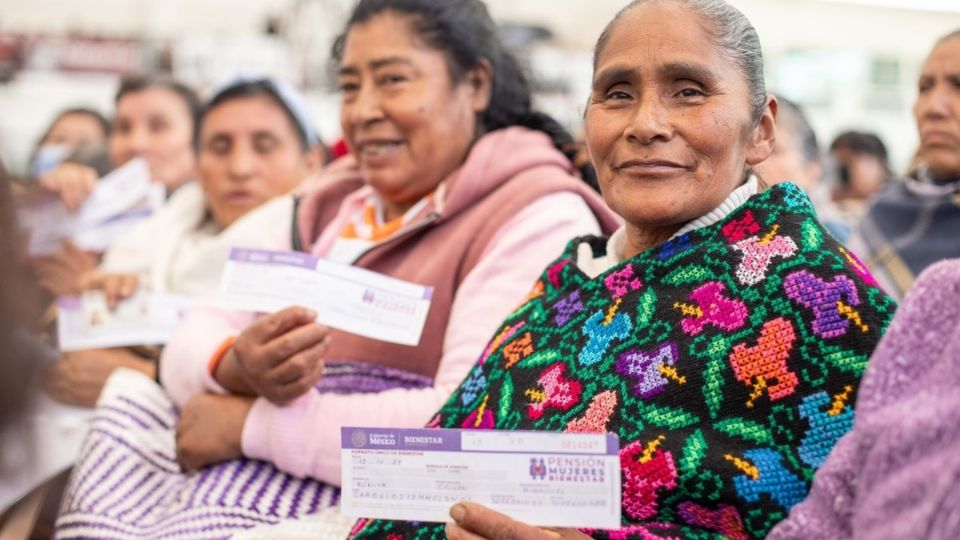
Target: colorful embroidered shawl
(727,360)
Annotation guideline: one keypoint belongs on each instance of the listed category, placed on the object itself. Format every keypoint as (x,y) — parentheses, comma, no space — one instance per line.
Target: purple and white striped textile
(127,483)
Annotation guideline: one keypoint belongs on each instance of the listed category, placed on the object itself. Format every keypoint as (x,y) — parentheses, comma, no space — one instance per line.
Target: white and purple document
(120,200)
(345,297)
(85,322)
(541,478)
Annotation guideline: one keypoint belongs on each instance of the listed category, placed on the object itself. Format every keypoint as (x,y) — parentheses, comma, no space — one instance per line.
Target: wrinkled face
(669,125)
(76,130)
(406,121)
(155,124)
(938,110)
(249,153)
(787,162)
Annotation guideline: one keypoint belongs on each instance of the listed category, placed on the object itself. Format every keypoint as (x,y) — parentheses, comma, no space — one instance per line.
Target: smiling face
(669,124)
(155,123)
(249,153)
(937,110)
(406,121)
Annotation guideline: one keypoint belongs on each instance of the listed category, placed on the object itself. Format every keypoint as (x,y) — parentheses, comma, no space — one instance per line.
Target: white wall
(847,35)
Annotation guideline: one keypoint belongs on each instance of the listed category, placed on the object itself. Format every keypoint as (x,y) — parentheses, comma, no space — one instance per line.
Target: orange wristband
(219,354)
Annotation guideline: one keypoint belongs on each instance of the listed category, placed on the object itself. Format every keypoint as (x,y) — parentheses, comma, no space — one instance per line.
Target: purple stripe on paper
(449,440)
(70,302)
(435,440)
(280,258)
(428,293)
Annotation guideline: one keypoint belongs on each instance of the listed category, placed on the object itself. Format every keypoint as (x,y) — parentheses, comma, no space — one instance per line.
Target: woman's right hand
(116,287)
(72,182)
(281,356)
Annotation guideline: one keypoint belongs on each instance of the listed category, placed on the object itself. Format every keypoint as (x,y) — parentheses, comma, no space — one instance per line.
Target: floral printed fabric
(727,360)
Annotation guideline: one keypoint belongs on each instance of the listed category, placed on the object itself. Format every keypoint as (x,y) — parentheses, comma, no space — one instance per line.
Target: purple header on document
(433,440)
(448,440)
(70,302)
(262,256)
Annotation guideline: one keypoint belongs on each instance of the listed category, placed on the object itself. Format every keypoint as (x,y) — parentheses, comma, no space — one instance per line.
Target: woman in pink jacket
(453,182)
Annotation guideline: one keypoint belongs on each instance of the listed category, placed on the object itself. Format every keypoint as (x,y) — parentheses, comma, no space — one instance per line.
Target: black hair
(797,122)
(251,89)
(861,142)
(138,83)
(93,114)
(464,31)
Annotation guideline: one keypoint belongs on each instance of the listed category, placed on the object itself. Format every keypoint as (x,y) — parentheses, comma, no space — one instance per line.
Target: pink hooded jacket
(507,212)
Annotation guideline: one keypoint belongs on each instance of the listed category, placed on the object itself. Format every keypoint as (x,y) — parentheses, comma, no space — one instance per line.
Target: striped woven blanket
(127,483)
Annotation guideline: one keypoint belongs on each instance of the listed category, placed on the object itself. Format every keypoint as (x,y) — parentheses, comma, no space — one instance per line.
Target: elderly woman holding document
(721,333)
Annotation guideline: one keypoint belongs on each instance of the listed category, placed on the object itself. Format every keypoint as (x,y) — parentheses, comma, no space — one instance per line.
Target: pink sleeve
(303,438)
(185,359)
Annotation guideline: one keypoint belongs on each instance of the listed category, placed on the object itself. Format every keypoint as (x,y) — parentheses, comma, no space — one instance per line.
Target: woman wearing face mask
(452,182)
(254,144)
(912,223)
(74,130)
(714,333)
(154,118)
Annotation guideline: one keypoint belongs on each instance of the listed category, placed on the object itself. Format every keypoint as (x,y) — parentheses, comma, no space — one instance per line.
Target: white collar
(616,244)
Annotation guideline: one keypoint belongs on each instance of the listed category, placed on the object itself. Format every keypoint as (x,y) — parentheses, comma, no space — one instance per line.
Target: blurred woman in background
(73,130)
(255,144)
(914,222)
(155,118)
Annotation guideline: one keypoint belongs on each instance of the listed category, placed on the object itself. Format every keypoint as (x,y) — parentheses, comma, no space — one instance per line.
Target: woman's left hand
(61,272)
(475,522)
(78,377)
(211,430)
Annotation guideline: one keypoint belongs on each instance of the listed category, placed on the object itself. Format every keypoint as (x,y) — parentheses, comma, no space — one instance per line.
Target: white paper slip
(119,200)
(86,322)
(540,478)
(345,297)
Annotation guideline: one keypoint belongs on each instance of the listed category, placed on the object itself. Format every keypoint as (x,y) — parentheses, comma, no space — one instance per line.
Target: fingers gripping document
(541,478)
(86,322)
(351,299)
(120,199)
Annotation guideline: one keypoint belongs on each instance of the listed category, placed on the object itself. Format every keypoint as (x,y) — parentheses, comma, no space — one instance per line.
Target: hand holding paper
(344,297)
(473,522)
(281,355)
(539,479)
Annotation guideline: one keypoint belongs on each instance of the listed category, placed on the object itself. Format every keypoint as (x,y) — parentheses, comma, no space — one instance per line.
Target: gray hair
(731,32)
(952,35)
